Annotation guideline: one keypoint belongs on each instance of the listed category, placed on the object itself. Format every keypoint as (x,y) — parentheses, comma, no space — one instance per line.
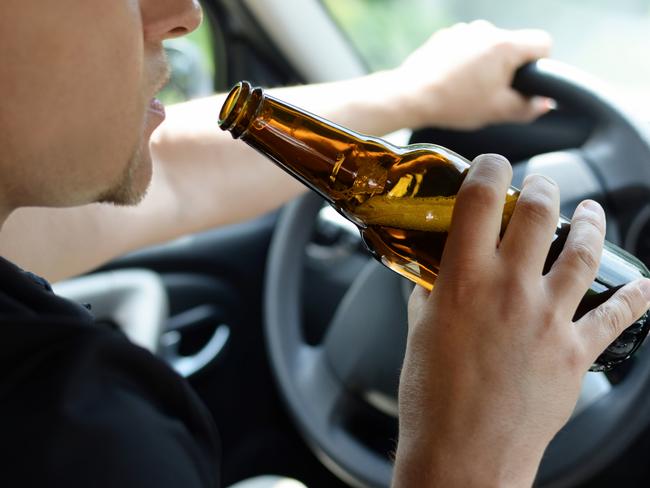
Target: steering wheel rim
(316,389)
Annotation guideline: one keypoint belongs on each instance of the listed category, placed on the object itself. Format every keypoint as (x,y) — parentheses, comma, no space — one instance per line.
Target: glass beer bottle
(401,198)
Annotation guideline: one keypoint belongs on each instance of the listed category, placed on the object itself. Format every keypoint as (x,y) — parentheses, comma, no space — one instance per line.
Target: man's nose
(165,19)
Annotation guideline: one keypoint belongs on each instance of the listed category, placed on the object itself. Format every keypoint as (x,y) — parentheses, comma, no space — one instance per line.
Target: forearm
(376,104)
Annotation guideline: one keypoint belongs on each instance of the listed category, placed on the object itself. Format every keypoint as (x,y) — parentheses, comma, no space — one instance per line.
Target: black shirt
(81,406)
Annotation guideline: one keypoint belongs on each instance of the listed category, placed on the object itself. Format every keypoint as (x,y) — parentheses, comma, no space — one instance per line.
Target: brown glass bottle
(401,198)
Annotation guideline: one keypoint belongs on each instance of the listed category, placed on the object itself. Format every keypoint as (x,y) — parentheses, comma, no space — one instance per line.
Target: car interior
(290,333)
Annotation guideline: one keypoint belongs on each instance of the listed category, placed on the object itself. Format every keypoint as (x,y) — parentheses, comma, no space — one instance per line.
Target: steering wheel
(355,368)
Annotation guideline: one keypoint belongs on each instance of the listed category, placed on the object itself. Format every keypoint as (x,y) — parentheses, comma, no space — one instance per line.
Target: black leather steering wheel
(357,364)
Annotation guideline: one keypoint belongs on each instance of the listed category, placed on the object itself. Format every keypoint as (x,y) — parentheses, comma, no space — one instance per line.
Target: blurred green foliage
(386,31)
(202,38)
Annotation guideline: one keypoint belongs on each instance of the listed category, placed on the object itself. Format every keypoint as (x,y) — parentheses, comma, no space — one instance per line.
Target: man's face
(76,86)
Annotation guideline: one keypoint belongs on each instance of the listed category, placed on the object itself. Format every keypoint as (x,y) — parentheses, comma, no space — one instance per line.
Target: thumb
(515,107)
(601,326)
(417,301)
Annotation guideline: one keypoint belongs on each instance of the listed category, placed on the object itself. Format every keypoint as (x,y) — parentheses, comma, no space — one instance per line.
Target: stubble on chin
(126,191)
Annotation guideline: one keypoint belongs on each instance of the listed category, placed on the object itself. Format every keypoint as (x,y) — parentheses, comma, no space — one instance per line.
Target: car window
(608,39)
(192,62)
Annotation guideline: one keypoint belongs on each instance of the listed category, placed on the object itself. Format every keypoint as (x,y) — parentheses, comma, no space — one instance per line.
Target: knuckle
(521,298)
(582,255)
(628,300)
(502,46)
(505,50)
(551,316)
(548,320)
(482,193)
(591,221)
(537,208)
(456,289)
(612,314)
(575,358)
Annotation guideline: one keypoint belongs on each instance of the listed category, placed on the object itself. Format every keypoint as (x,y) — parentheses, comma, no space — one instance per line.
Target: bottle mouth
(238,110)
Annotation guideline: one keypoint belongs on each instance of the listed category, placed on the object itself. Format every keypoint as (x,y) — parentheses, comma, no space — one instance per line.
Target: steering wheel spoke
(320,386)
(366,339)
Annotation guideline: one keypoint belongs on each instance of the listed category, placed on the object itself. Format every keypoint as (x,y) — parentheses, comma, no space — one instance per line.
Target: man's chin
(123,197)
(133,184)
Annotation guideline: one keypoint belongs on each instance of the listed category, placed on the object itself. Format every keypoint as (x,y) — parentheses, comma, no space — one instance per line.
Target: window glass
(192,63)
(610,40)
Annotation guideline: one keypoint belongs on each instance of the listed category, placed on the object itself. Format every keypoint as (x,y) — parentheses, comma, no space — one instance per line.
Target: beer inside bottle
(401,198)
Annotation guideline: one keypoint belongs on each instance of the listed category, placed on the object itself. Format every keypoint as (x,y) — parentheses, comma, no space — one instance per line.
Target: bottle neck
(321,154)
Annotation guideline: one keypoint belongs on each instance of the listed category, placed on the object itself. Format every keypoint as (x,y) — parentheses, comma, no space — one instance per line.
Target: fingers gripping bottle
(401,198)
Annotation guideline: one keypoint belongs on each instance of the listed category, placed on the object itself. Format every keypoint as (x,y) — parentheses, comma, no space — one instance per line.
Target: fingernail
(493,156)
(645,289)
(593,207)
(543,104)
(484,157)
(537,175)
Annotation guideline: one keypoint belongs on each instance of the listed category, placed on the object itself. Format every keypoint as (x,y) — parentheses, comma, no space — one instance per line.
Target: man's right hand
(494,362)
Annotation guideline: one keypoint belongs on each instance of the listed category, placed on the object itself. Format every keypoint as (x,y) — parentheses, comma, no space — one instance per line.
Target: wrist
(443,464)
(416,106)
(386,98)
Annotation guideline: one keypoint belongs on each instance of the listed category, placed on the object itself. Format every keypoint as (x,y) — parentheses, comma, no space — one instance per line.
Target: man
(82,407)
